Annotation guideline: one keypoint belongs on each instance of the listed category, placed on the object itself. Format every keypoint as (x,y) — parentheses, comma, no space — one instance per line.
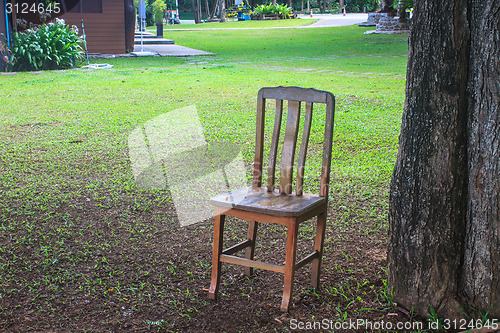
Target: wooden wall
(105,31)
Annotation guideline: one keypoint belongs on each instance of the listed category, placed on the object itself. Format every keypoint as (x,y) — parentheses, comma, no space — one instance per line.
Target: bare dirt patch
(123,265)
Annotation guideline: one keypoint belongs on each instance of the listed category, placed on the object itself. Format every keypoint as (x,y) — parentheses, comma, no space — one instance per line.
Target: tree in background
(222,10)
(196,4)
(357,6)
(386,6)
(158,9)
(213,7)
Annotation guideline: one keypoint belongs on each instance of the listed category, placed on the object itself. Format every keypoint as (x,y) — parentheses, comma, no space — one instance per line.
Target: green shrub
(404,3)
(52,46)
(356,6)
(264,9)
(283,10)
(159,7)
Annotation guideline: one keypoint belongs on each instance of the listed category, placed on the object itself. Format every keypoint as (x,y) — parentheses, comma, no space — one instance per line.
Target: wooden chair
(258,204)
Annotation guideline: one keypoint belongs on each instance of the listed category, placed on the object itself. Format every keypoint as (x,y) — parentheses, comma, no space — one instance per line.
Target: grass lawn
(238,24)
(83,248)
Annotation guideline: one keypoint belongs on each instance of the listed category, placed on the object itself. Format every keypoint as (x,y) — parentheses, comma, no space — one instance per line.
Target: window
(83,6)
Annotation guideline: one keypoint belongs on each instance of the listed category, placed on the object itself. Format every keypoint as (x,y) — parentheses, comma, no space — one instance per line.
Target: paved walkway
(323,21)
(171,50)
(336,20)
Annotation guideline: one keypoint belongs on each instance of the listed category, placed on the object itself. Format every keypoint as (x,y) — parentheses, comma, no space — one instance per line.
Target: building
(109,24)
(104,22)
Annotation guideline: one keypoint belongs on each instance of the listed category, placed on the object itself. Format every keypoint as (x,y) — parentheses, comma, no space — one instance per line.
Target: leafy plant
(357,6)
(4,51)
(433,318)
(283,10)
(264,9)
(404,3)
(51,46)
(159,7)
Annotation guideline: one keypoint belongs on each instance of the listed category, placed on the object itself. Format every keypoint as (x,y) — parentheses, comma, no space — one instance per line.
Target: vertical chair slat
(290,141)
(327,145)
(274,146)
(259,141)
(303,149)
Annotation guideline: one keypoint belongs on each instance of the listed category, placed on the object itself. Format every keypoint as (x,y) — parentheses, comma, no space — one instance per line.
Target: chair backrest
(295,97)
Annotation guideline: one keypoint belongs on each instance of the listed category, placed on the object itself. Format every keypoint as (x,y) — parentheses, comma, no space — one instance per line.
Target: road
(324,20)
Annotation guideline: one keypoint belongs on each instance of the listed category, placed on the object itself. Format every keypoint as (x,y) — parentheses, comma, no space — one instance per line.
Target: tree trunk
(196,11)
(222,11)
(387,6)
(207,7)
(216,8)
(402,11)
(198,8)
(481,276)
(129,25)
(427,207)
(444,201)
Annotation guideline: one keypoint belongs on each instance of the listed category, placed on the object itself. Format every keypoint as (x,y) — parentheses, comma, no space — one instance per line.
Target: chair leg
(318,247)
(249,251)
(216,264)
(291,250)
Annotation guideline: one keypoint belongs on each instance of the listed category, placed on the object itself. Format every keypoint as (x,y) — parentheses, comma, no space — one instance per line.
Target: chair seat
(261,201)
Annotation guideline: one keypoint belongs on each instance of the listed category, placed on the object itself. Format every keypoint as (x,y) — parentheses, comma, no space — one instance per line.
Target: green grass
(75,227)
(252,24)
(366,73)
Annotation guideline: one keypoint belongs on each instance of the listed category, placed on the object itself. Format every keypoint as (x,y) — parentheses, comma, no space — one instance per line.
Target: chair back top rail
(295,96)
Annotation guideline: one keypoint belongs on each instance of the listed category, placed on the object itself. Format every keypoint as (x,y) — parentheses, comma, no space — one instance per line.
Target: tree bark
(198,8)
(386,6)
(196,11)
(222,11)
(207,7)
(444,214)
(402,11)
(427,202)
(129,25)
(481,274)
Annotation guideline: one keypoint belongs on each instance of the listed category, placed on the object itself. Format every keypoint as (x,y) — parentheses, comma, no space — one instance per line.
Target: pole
(85,43)
(142,17)
(7,35)
(142,44)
